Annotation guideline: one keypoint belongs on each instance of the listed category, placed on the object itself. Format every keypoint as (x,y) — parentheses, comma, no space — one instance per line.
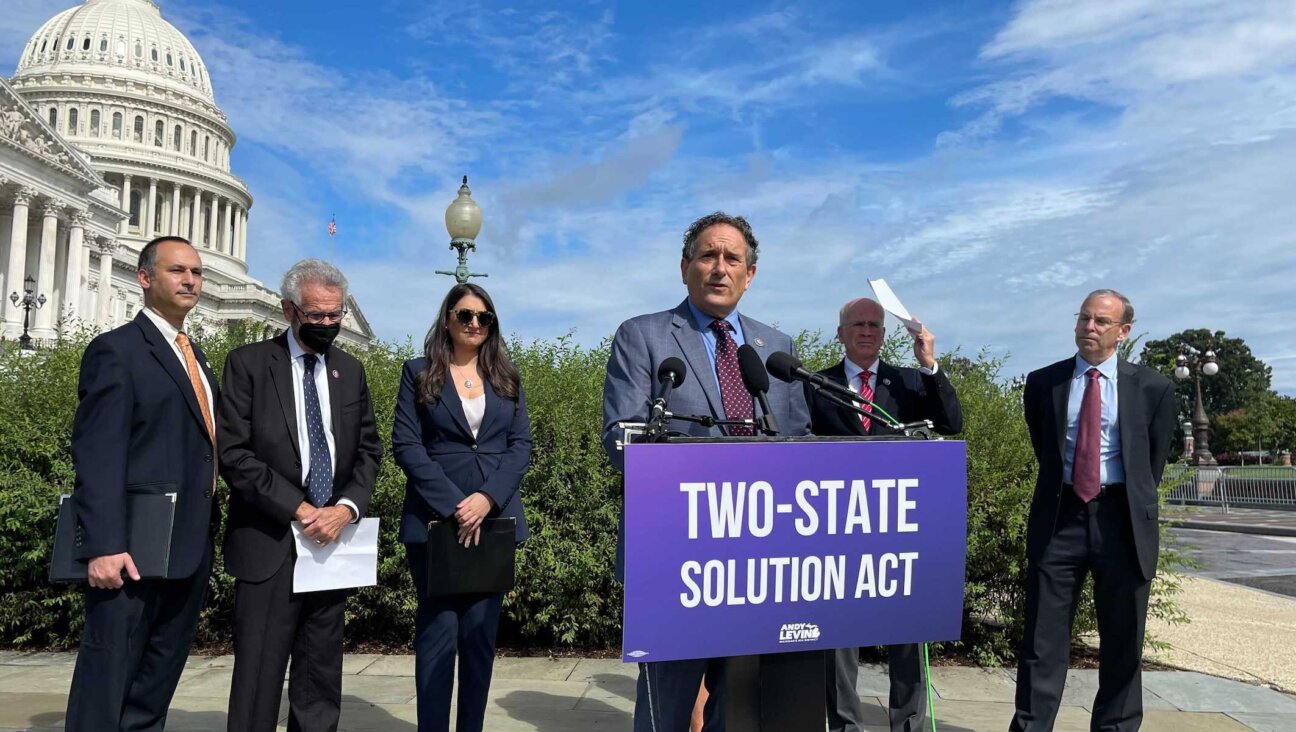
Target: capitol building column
(45,273)
(195,218)
(125,203)
(74,287)
(17,269)
(174,227)
(147,224)
(227,236)
(213,223)
(106,249)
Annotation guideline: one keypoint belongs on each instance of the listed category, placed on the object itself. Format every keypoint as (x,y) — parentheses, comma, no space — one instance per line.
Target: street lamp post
(1191,361)
(29,301)
(463,221)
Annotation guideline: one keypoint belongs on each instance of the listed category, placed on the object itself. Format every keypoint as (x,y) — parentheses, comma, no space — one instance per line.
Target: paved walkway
(1240,520)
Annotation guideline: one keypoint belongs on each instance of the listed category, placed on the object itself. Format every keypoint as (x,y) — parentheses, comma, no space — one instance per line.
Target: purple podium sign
(735,548)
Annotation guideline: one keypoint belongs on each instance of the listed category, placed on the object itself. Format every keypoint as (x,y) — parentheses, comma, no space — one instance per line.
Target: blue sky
(993,161)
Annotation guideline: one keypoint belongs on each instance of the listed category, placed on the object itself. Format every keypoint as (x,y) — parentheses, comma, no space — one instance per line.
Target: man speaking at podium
(705,332)
(909,395)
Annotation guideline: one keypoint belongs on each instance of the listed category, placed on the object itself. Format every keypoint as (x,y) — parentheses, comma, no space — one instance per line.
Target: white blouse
(475,410)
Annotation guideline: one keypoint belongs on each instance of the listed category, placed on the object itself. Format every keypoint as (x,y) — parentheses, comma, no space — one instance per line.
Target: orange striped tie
(195,380)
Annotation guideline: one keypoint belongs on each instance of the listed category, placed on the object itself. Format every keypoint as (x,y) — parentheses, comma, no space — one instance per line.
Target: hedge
(565,595)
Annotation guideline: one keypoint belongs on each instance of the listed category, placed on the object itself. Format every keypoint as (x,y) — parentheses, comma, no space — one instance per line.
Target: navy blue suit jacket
(139,429)
(444,463)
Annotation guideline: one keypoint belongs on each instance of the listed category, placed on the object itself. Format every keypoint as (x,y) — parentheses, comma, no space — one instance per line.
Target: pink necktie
(735,399)
(1086,475)
(866,391)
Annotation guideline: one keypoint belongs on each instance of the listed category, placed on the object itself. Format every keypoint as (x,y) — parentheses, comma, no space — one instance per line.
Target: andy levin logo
(798,633)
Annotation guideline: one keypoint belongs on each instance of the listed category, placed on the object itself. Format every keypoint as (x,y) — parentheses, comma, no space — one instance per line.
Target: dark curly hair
(696,228)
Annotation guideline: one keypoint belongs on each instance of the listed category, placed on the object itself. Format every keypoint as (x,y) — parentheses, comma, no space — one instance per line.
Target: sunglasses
(465,317)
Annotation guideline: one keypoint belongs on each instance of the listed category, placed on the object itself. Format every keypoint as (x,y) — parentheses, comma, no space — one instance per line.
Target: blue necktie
(319,482)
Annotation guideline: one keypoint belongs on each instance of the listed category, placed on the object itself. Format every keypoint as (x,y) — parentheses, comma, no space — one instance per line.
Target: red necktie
(733,395)
(866,391)
(1086,475)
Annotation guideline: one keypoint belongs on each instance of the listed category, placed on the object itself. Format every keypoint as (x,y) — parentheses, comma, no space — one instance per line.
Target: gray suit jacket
(642,343)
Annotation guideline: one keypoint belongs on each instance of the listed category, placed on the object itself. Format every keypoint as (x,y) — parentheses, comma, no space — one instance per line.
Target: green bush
(565,593)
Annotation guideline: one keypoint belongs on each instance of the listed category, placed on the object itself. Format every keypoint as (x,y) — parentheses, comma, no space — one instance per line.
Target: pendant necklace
(468,383)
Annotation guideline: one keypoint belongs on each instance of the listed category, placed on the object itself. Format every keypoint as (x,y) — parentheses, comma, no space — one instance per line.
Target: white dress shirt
(297,355)
(474,411)
(169,333)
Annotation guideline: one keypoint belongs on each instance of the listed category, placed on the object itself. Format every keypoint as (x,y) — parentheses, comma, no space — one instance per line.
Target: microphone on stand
(756,380)
(786,367)
(670,374)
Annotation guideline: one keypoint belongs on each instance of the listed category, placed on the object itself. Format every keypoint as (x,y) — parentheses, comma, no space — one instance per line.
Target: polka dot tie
(733,395)
(319,481)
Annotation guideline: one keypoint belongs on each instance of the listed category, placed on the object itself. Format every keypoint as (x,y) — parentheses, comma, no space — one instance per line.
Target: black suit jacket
(139,429)
(906,394)
(260,456)
(444,463)
(1146,415)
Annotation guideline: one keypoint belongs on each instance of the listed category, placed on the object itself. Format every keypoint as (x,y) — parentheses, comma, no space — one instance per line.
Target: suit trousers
(1094,538)
(906,704)
(271,624)
(446,627)
(134,645)
(667,690)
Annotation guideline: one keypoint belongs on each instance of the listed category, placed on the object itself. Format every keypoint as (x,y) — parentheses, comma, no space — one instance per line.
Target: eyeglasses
(1101,324)
(465,317)
(317,318)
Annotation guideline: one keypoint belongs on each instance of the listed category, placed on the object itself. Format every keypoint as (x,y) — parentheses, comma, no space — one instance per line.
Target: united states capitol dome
(127,40)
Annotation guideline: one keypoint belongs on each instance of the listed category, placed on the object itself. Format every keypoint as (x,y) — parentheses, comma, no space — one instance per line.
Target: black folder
(454,569)
(149,519)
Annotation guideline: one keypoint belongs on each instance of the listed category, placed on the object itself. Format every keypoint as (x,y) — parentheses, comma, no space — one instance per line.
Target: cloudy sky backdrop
(994,161)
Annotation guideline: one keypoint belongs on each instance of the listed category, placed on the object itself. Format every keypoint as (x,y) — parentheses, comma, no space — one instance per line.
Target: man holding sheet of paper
(298,445)
(909,395)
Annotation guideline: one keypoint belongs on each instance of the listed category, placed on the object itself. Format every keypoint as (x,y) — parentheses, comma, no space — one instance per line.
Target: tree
(1242,381)
(1268,424)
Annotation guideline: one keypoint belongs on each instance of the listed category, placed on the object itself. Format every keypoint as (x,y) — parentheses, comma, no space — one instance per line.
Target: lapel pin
(760,341)
(886,382)
(209,364)
(335,374)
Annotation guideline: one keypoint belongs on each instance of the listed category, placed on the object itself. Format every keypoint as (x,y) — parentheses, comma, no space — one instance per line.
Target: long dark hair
(492,357)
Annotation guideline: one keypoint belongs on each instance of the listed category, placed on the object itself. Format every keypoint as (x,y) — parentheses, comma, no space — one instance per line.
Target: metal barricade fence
(1242,486)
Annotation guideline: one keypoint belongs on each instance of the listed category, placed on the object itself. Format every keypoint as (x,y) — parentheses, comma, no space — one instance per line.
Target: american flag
(333,226)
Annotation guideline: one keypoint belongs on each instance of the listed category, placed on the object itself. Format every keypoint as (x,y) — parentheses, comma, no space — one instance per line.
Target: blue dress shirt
(709,337)
(1112,468)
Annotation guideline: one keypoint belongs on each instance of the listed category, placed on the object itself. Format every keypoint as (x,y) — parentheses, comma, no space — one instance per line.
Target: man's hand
(305,513)
(924,346)
(106,571)
(326,524)
(470,513)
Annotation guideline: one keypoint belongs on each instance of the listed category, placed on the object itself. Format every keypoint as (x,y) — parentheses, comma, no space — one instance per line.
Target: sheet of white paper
(890,303)
(351,561)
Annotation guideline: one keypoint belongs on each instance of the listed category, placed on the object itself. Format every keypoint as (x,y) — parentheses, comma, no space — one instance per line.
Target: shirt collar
(168,331)
(1106,368)
(853,370)
(295,351)
(704,321)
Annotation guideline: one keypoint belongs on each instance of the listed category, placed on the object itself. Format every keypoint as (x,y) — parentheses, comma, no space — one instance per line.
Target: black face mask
(318,337)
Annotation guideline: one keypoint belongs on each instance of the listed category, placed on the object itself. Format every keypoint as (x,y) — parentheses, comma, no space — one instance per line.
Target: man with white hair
(909,395)
(298,443)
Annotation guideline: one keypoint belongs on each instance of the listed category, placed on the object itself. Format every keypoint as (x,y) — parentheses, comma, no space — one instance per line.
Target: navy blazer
(444,463)
(139,429)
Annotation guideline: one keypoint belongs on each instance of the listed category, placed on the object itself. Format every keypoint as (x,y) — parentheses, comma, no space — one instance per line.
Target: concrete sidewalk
(1270,522)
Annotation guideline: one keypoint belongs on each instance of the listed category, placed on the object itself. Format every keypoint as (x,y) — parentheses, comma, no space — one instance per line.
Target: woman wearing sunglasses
(463,438)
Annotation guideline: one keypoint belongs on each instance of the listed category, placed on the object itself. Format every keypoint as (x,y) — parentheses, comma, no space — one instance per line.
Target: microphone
(670,374)
(756,379)
(787,367)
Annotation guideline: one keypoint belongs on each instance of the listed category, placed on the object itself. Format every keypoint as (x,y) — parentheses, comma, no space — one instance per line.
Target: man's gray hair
(841,315)
(1127,315)
(311,270)
(696,228)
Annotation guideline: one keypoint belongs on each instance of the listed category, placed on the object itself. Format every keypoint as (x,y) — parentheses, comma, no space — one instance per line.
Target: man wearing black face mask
(312,457)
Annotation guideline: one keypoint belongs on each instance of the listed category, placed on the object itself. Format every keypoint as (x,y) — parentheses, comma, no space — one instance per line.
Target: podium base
(776,692)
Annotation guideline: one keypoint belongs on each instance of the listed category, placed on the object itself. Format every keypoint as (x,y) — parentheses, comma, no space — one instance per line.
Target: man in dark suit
(705,331)
(1101,428)
(909,395)
(144,426)
(298,443)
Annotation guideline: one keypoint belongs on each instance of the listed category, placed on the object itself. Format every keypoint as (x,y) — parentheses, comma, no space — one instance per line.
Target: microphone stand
(921,429)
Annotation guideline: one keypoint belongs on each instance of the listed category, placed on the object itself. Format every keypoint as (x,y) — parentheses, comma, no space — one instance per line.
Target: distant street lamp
(1191,361)
(27,302)
(463,221)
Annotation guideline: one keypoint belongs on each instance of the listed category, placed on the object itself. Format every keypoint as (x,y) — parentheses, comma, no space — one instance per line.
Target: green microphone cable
(931,707)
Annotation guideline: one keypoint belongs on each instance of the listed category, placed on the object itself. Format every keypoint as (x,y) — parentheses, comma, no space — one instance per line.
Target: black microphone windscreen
(782,365)
(754,375)
(673,369)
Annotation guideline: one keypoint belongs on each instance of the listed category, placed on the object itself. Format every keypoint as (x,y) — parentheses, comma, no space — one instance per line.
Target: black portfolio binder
(454,569)
(149,518)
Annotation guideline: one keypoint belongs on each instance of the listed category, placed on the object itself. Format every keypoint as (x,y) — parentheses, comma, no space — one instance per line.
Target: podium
(770,551)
